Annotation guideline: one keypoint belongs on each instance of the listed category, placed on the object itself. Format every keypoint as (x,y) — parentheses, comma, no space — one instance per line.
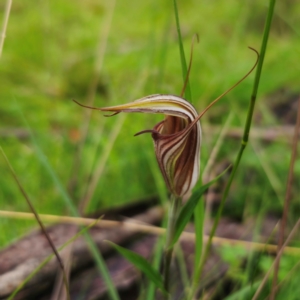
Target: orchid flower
(177,138)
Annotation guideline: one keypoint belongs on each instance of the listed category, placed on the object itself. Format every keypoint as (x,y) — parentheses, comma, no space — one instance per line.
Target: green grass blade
(199,224)
(244,293)
(243,143)
(39,221)
(150,293)
(188,209)
(142,264)
(263,49)
(187,93)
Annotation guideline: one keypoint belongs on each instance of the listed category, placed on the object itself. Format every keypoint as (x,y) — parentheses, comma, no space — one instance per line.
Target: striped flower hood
(176,139)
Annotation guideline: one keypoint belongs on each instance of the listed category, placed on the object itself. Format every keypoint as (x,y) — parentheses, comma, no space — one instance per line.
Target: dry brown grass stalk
(281,251)
(4,26)
(144,228)
(287,200)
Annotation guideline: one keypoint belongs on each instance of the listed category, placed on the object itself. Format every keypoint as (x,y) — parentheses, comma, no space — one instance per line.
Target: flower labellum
(176,139)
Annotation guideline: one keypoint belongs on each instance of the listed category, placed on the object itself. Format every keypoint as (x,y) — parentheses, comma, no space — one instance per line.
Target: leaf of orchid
(142,264)
(188,209)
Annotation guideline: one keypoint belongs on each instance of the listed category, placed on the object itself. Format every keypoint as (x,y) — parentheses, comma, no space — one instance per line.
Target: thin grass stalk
(173,215)
(215,151)
(251,263)
(268,168)
(187,93)
(242,147)
(36,215)
(150,229)
(286,201)
(198,272)
(159,246)
(162,193)
(199,217)
(4,26)
(202,213)
(69,203)
(58,291)
(182,265)
(47,259)
(150,293)
(86,117)
(162,58)
(101,163)
(207,176)
(290,275)
(289,238)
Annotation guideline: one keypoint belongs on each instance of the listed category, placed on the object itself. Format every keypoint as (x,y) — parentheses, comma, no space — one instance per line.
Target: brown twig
(36,216)
(255,297)
(286,201)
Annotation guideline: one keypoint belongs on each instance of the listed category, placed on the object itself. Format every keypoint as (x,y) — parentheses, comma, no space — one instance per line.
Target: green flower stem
(173,215)
(244,143)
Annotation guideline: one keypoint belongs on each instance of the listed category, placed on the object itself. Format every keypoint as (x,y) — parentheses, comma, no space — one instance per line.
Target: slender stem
(99,261)
(33,210)
(187,92)
(286,201)
(173,214)
(5,22)
(242,147)
(263,282)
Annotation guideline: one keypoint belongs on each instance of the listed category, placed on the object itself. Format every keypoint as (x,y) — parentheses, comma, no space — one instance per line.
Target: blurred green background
(106,53)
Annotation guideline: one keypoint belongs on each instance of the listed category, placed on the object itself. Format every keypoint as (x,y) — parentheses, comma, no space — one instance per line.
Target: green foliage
(234,260)
(50,56)
(51,59)
(187,210)
(142,264)
(184,69)
(244,293)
